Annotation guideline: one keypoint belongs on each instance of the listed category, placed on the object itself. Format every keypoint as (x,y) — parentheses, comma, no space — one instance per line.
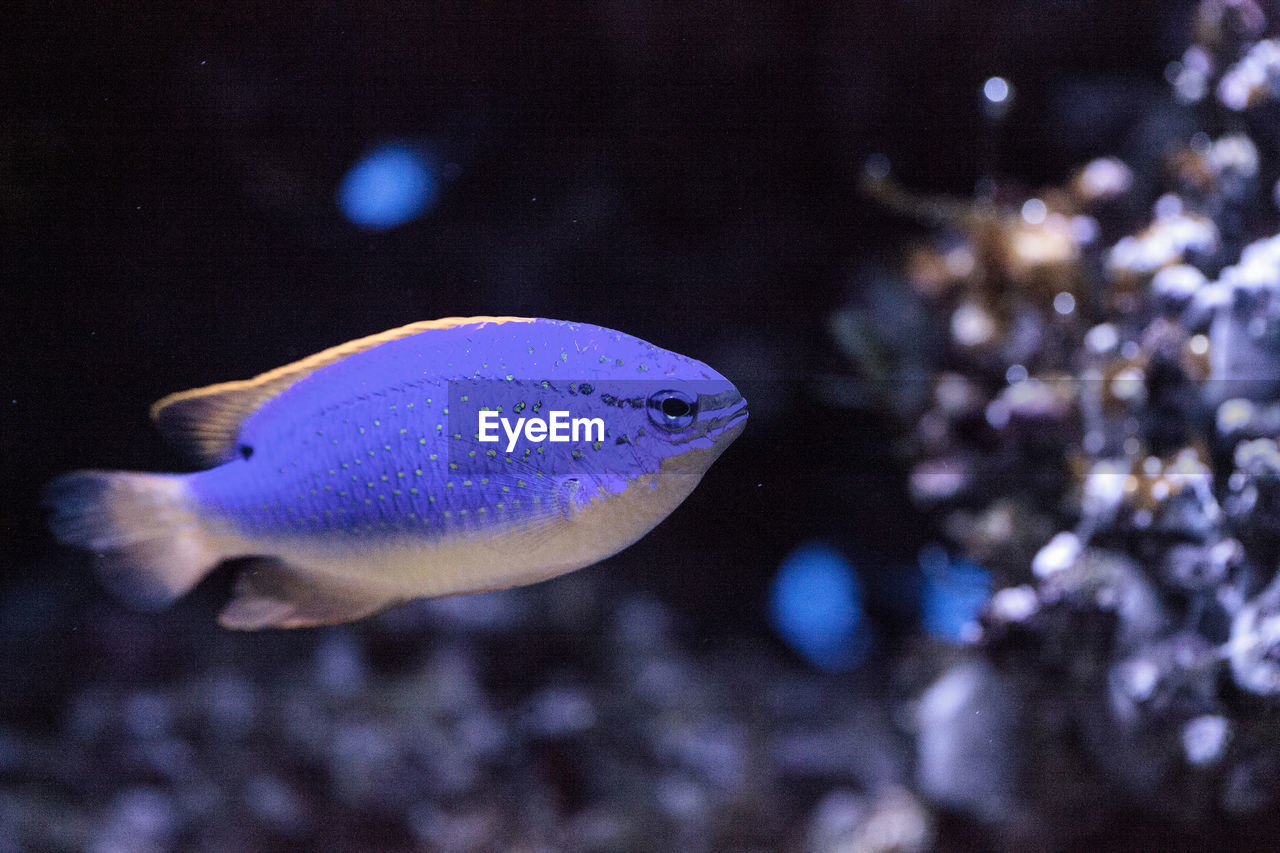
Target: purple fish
(444,457)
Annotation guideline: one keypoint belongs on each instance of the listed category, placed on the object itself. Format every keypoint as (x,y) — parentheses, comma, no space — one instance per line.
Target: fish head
(617,412)
(661,436)
(682,416)
(678,423)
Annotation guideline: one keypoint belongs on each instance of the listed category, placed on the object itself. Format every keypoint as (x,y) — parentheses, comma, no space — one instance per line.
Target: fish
(443,457)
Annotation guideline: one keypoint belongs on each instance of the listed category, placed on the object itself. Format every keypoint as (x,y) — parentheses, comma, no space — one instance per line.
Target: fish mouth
(715,402)
(738,414)
(731,411)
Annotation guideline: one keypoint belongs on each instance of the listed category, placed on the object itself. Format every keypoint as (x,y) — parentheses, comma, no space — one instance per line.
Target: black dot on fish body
(246,451)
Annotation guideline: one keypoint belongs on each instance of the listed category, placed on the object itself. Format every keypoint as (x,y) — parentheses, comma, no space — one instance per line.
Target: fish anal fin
(275,594)
(206,421)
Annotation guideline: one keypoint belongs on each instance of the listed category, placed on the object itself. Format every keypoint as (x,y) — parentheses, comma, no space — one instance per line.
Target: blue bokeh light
(996,90)
(955,592)
(389,186)
(815,604)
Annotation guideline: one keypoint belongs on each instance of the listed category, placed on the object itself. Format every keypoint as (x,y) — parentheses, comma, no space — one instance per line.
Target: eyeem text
(557,427)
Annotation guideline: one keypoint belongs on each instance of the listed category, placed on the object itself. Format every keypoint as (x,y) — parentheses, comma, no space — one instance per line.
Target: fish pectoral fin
(276,594)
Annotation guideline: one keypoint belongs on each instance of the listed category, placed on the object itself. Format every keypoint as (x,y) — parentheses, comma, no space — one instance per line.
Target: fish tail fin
(151,544)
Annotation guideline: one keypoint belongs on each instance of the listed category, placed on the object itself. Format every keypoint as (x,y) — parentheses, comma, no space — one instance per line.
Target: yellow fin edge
(206,419)
(325,357)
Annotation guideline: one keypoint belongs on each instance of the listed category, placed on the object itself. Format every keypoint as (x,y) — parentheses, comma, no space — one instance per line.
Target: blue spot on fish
(955,593)
(815,604)
(389,186)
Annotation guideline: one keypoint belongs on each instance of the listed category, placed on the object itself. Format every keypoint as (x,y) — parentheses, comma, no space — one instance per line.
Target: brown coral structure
(1102,435)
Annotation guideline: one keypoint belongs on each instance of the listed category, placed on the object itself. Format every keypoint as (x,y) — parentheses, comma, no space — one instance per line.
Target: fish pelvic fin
(272,593)
(151,546)
(205,422)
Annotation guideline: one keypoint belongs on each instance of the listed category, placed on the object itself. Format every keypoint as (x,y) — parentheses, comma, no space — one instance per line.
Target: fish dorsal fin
(206,421)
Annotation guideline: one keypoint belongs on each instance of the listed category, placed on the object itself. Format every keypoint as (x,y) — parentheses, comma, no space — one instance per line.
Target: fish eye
(674,407)
(671,410)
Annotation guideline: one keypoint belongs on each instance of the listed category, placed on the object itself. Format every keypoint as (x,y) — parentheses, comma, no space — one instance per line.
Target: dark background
(685,172)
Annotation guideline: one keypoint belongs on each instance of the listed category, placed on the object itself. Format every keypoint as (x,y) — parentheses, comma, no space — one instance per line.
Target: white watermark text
(557,427)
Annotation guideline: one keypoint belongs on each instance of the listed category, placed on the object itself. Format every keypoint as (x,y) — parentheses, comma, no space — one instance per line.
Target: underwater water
(993,565)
